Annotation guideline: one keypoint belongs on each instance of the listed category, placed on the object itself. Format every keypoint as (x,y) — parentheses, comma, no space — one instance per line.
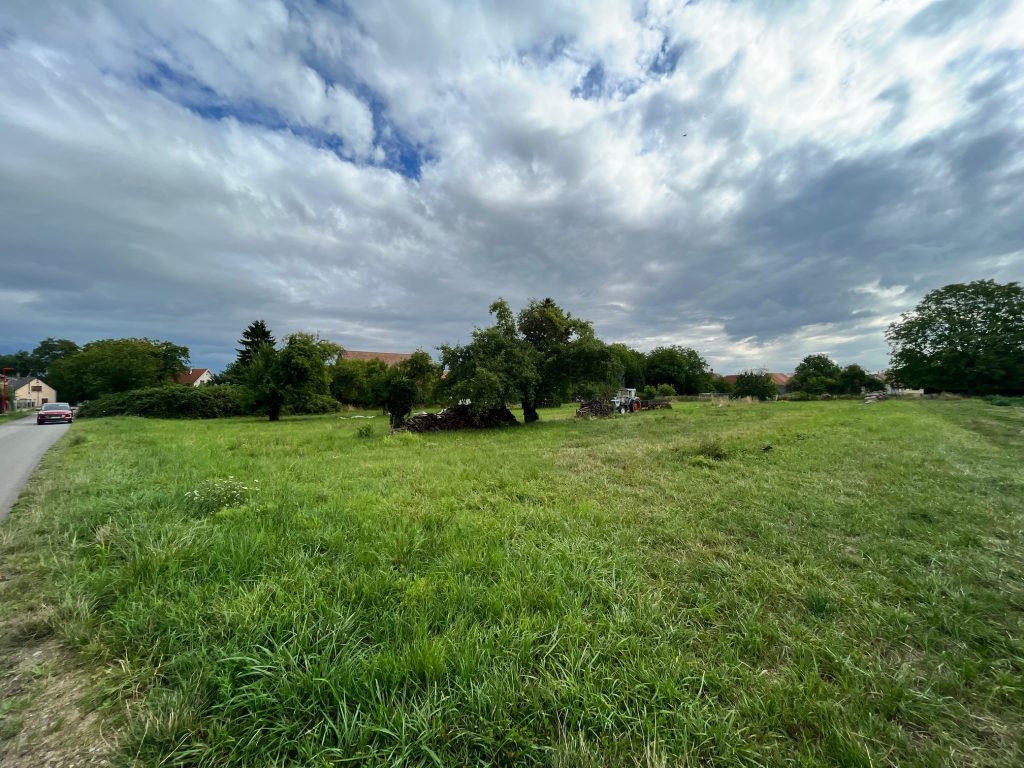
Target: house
(30,392)
(390,359)
(194,377)
(781,381)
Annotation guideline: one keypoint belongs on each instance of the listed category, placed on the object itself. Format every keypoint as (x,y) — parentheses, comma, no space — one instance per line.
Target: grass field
(776,584)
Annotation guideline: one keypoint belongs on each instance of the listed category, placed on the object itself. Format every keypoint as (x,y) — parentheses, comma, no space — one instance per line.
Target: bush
(665,390)
(365,432)
(1002,400)
(171,401)
(800,397)
(316,404)
(648,393)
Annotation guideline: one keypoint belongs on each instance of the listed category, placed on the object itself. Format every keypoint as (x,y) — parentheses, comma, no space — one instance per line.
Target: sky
(757,180)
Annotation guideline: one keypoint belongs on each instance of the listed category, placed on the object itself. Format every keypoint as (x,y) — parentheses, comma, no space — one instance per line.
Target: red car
(55,413)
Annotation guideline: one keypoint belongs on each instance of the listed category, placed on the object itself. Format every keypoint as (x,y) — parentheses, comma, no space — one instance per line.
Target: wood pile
(459,417)
(653,405)
(593,409)
(874,397)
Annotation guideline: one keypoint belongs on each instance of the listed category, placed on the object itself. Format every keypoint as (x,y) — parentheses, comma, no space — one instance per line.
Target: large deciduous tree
(116,365)
(756,383)
(965,338)
(49,351)
(816,375)
(681,367)
(543,355)
(290,377)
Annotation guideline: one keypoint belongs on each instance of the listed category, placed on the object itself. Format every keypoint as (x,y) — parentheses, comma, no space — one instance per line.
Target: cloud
(760,181)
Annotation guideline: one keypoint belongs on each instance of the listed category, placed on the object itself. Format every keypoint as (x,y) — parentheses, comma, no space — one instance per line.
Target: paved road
(22,445)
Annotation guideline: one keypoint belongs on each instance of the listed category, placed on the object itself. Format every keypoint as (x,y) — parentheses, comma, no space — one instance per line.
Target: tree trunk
(530,414)
(275,411)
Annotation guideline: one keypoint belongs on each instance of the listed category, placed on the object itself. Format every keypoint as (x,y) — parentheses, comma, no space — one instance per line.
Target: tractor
(626,401)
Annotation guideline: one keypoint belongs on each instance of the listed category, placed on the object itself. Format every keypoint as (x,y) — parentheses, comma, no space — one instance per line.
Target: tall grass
(649,590)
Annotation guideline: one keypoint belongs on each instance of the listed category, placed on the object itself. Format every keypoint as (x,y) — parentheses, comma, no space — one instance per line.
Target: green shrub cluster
(315,404)
(171,401)
(1003,400)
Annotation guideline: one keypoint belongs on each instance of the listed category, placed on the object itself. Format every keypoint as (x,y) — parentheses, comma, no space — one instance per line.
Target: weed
(364,431)
(214,495)
(712,448)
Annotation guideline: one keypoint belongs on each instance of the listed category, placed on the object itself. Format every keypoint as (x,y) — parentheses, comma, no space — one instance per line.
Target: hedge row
(172,401)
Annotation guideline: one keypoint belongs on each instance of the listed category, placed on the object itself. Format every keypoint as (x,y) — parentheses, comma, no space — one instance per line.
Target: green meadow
(823,583)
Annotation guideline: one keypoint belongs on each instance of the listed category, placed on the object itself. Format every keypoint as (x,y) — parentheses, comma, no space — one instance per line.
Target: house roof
(390,359)
(14,384)
(191,376)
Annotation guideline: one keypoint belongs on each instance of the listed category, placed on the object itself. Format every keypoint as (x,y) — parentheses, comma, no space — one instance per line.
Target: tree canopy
(816,375)
(757,383)
(38,361)
(116,365)
(291,377)
(966,338)
(681,367)
(542,355)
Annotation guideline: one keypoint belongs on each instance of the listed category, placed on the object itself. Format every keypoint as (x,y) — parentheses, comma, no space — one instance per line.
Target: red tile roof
(191,376)
(390,359)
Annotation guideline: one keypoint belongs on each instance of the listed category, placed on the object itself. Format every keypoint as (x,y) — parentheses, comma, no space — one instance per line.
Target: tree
(424,373)
(21,363)
(682,367)
(49,351)
(359,382)
(116,365)
(853,380)
(401,393)
(963,338)
(255,336)
(290,377)
(757,384)
(632,363)
(816,375)
(544,354)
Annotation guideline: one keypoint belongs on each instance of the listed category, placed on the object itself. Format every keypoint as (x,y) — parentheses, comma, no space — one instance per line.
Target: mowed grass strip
(807,584)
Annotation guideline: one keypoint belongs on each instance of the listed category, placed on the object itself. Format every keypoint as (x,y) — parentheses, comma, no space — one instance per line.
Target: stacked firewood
(874,397)
(459,417)
(653,405)
(592,409)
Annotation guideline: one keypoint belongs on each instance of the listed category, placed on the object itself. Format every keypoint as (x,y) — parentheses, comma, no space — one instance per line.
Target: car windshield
(56,407)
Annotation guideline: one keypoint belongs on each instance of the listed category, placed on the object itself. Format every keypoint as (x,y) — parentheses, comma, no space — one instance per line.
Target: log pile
(459,417)
(874,397)
(593,409)
(653,405)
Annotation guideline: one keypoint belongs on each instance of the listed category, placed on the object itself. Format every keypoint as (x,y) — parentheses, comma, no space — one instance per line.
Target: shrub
(316,404)
(648,393)
(800,397)
(665,390)
(365,431)
(171,401)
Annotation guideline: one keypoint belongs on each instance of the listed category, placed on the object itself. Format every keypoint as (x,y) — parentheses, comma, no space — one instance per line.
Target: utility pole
(3,390)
